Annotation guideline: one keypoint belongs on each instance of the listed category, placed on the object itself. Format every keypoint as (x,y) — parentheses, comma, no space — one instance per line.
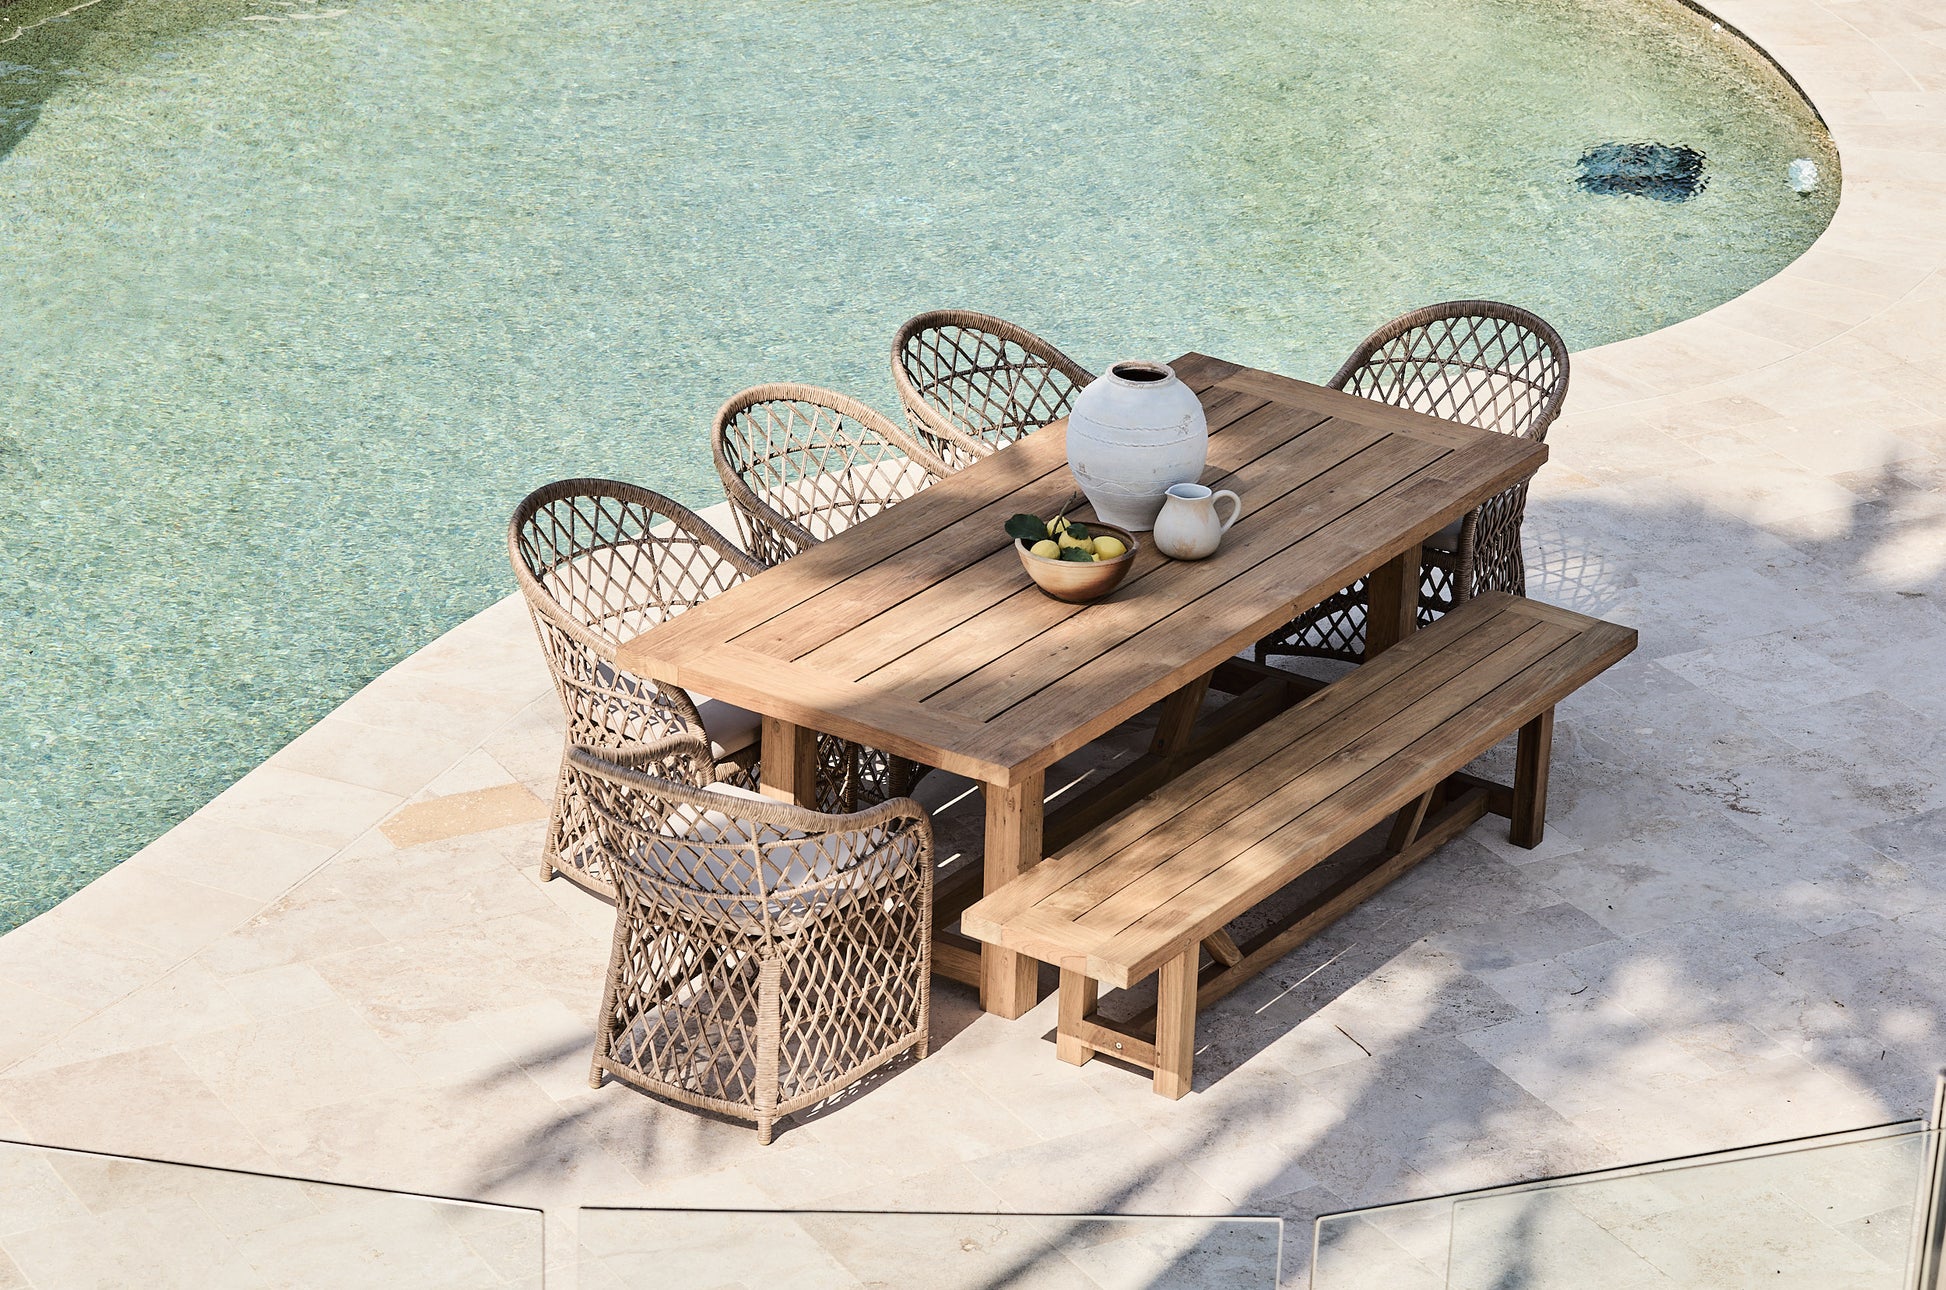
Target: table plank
(985,486)
(903,576)
(1032,623)
(1154,660)
(808,697)
(935,559)
(1200,371)
(922,636)
(1336,403)
(1362,462)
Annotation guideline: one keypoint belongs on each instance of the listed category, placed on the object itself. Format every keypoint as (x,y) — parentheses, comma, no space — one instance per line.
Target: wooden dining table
(918,632)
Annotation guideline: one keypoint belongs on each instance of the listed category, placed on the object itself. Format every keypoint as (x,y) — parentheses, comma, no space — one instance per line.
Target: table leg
(790,763)
(1391,603)
(1178,717)
(1009,982)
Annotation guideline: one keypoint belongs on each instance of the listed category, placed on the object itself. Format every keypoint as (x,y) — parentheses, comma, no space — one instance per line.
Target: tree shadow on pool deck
(1726,941)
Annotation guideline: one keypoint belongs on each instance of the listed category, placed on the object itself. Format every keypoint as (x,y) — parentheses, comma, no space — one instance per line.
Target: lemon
(1046,549)
(1107,548)
(1069,539)
(1057,526)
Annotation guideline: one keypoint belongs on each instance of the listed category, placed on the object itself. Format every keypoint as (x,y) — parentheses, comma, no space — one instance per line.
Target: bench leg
(1175,1022)
(1530,780)
(1223,948)
(1077,1001)
(1406,824)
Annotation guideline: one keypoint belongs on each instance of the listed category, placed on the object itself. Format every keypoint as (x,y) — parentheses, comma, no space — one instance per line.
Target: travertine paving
(1731,934)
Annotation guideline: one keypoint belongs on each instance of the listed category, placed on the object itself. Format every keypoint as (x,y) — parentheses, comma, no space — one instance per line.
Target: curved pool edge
(1841,336)
(1842,320)
(1848,303)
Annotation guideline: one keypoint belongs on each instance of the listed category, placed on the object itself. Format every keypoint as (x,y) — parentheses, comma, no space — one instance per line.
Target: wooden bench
(1150,889)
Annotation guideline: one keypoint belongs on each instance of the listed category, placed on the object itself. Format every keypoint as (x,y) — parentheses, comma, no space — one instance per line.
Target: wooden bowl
(1073,581)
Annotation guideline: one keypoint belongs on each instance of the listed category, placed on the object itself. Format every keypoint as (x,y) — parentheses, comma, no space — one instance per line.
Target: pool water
(299,296)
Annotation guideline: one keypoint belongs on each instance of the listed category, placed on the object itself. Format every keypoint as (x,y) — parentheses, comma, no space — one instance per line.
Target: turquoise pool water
(299,296)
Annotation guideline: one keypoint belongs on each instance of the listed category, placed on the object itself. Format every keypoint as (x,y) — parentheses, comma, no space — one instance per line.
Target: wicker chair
(802,463)
(599,562)
(1486,364)
(766,957)
(972,383)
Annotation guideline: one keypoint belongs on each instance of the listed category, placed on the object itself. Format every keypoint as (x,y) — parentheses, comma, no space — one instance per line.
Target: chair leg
(1078,994)
(1531,758)
(611,987)
(1175,1023)
(770,1043)
(550,848)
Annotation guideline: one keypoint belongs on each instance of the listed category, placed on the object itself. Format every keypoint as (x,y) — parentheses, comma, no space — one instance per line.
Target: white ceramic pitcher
(1187,528)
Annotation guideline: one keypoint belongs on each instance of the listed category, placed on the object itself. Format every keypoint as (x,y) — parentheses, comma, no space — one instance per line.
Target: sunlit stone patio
(344,968)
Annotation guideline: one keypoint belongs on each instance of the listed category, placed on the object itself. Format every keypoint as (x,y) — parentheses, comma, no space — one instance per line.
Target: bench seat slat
(1333,720)
(1311,768)
(1186,860)
(1212,788)
(1253,875)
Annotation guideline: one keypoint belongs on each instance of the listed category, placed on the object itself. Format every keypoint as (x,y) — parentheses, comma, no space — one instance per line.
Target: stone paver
(1728,938)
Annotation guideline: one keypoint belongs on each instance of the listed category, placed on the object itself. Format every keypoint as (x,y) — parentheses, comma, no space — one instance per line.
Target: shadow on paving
(1755,803)
(1708,953)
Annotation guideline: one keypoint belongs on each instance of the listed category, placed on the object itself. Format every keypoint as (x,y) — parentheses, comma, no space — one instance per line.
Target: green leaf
(1026,528)
(1075,554)
(1079,530)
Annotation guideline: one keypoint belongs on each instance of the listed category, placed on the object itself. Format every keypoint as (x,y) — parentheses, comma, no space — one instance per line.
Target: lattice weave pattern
(801,464)
(972,383)
(1480,362)
(599,562)
(765,957)
(1496,370)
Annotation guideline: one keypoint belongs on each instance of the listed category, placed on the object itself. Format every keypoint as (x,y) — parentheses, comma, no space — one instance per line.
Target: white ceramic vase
(1133,432)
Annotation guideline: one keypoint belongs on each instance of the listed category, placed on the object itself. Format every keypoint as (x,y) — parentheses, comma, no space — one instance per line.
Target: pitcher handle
(1236,507)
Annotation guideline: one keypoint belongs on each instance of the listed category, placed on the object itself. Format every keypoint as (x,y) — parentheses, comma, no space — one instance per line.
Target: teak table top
(918,632)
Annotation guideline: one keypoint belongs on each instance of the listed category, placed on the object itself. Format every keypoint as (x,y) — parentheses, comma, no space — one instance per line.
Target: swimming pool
(299,296)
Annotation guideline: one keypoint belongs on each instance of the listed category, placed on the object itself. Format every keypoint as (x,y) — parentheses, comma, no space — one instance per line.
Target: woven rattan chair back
(972,383)
(801,463)
(766,957)
(599,562)
(1479,362)
(1487,364)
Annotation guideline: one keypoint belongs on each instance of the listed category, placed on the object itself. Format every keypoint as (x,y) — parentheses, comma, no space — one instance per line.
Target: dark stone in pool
(1659,171)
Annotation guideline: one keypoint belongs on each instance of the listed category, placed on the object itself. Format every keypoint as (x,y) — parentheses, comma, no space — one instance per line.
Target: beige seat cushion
(715,860)
(731,729)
